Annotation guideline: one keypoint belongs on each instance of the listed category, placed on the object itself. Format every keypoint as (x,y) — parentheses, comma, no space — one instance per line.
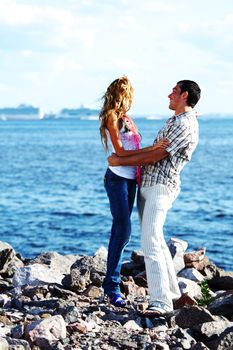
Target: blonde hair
(117,99)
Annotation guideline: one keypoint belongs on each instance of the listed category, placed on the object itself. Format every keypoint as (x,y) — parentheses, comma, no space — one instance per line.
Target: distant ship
(22,112)
(79,113)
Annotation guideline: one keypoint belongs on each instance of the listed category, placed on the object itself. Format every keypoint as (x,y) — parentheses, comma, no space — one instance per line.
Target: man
(160,185)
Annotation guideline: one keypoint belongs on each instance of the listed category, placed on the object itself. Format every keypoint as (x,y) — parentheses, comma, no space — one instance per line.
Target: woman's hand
(112,160)
(162,144)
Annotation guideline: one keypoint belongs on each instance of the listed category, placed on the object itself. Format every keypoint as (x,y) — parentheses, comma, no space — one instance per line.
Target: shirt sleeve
(179,137)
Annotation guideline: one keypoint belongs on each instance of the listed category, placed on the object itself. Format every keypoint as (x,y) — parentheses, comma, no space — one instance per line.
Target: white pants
(153,205)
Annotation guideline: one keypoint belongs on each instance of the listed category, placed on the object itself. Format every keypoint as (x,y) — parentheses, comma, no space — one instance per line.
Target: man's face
(175,97)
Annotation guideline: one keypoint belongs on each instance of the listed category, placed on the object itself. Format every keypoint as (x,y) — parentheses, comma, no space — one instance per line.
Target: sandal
(116,300)
(150,313)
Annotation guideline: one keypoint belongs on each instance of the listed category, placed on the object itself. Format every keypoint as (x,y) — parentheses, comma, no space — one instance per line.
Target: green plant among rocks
(206,294)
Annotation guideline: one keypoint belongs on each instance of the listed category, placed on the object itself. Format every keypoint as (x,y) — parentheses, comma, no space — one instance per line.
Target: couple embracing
(156,170)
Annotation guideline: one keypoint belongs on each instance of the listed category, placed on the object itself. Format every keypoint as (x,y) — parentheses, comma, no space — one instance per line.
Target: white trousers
(153,205)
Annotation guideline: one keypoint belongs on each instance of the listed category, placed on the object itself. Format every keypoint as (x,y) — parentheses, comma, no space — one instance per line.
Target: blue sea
(53,199)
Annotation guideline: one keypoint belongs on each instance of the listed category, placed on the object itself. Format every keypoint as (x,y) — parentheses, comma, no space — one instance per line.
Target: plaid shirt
(182,133)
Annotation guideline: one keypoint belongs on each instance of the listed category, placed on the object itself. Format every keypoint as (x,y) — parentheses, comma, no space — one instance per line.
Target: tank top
(130,141)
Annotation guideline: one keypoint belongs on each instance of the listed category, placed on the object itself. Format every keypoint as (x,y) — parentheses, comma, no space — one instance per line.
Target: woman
(118,129)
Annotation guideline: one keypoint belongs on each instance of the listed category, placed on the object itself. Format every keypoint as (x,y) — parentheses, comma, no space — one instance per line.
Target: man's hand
(162,144)
(113,160)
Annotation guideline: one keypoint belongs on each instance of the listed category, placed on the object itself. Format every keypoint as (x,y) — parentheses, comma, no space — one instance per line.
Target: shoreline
(55,302)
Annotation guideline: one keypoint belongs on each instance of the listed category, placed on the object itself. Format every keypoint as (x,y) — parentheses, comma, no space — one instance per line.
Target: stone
(47,332)
(132,325)
(130,268)
(223,342)
(199,265)
(191,274)
(222,282)
(35,275)
(87,270)
(177,248)
(184,300)
(210,271)
(141,279)
(84,327)
(17,344)
(56,261)
(192,288)
(208,331)
(137,257)
(131,289)
(199,346)
(194,256)
(70,313)
(222,305)
(190,316)
(93,292)
(80,272)
(8,259)
(4,344)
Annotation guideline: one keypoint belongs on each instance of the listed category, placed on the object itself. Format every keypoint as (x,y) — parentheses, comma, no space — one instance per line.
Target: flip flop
(150,313)
(117,300)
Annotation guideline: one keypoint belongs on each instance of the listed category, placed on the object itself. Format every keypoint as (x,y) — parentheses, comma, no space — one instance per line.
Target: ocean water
(52,195)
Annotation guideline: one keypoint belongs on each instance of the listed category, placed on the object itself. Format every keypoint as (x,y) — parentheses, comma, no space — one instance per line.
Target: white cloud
(80,46)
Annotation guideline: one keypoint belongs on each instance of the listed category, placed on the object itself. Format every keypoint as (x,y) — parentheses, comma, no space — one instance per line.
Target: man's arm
(139,159)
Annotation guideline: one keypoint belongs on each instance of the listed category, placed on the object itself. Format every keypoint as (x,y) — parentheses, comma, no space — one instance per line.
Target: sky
(64,53)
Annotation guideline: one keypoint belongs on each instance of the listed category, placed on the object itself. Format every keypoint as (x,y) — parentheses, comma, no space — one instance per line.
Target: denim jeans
(121,194)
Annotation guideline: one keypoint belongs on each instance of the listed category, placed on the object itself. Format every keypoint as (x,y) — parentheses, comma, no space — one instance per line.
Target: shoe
(117,300)
(153,312)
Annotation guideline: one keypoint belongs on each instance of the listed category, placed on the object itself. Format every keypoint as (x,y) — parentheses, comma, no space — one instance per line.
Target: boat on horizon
(22,112)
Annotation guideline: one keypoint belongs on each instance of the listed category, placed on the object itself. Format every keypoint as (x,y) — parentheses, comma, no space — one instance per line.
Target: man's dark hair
(194,91)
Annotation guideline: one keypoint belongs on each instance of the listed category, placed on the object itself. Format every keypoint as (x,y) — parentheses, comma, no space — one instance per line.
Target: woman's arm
(145,158)
(113,129)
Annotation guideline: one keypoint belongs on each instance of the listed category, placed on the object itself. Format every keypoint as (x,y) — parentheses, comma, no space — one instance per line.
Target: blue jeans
(121,194)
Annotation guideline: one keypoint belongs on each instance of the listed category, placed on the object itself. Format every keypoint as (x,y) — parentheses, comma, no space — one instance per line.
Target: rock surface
(55,302)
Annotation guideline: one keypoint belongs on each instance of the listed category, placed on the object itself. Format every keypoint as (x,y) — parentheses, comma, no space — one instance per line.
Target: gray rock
(130,268)
(199,346)
(190,287)
(87,270)
(184,339)
(36,275)
(47,332)
(222,282)
(177,248)
(8,259)
(190,316)
(210,271)
(4,344)
(223,342)
(70,313)
(79,278)
(18,344)
(137,257)
(56,261)
(222,305)
(191,274)
(211,330)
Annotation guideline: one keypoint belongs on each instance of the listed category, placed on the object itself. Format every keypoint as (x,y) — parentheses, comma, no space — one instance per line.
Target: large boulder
(36,275)
(210,331)
(222,305)
(191,274)
(188,317)
(87,270)
(46,333)
(9,261)
(55,261)
(190,287)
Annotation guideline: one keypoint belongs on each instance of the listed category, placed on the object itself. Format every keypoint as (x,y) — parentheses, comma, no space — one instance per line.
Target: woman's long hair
(117,99)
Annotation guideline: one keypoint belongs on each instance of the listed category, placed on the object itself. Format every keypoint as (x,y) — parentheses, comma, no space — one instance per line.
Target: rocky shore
(56,302)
